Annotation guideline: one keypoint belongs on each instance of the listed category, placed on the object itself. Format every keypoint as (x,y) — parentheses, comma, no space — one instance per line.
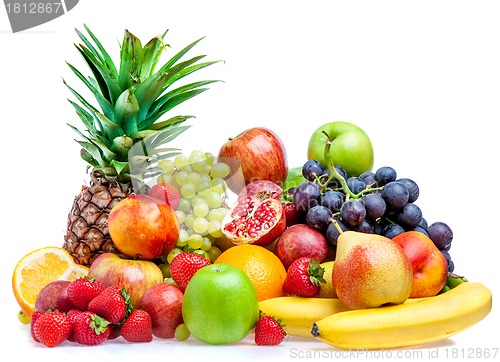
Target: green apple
(351,147)
(220,305)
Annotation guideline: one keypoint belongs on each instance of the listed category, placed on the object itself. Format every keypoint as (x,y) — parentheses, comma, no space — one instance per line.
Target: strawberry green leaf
(316,272)
(98,324)
(128,302)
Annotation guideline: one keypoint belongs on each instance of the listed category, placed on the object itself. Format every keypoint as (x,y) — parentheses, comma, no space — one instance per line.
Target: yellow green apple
(351,147)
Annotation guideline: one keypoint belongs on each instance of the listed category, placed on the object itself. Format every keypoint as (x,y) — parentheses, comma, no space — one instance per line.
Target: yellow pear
(370,270)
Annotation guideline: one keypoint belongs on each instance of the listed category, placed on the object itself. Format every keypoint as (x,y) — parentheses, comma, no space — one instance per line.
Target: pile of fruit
(157,248)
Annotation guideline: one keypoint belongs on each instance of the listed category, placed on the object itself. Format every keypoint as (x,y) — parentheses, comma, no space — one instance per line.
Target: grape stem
(336,224)
(335,175)
(333,171)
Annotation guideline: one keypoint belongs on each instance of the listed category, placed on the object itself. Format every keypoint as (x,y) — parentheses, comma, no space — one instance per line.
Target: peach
(142,227)
(428,263)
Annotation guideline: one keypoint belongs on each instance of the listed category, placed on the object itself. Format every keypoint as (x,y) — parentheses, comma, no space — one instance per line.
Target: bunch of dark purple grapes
(375,202)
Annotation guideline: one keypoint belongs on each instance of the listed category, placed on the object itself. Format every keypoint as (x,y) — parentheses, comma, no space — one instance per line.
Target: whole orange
(263,268)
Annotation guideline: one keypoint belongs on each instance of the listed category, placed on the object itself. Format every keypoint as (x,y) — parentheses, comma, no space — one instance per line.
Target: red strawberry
(36,314)
(72,315)
(304,277)
(52,328)
(138,327)
(81,291)
(165,192)
(112,304)
(89,329)
(269,331)
(183,267)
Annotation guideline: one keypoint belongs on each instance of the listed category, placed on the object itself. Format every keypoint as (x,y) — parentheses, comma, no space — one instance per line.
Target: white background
(422,78)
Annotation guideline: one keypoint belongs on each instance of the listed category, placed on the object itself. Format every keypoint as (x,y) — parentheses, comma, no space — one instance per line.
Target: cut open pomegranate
(257,217)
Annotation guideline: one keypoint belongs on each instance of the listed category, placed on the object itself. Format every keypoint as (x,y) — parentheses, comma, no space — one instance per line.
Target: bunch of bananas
(417,321)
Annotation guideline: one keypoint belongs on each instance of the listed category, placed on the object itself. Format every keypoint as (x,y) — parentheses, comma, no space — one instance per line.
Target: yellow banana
(298,314)
(408,324)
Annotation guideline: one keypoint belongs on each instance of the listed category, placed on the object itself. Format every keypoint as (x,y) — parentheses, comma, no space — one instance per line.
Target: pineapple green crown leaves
(132,99)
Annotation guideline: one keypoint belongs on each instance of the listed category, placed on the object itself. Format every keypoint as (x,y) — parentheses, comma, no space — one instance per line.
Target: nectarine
(142,227)
(428,263)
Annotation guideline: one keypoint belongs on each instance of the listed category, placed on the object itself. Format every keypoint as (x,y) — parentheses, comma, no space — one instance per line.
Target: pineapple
(124,136)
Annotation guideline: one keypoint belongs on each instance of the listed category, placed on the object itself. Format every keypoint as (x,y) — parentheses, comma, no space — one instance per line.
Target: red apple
(136,276)
(301,240)
(163,302)
(428,263)
(143,227)
(259,154)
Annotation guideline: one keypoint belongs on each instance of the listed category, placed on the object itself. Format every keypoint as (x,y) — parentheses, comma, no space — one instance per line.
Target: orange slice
(78,271)
(38,268)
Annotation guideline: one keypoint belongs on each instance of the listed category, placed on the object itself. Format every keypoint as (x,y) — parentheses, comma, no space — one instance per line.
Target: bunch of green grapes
(200,179)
